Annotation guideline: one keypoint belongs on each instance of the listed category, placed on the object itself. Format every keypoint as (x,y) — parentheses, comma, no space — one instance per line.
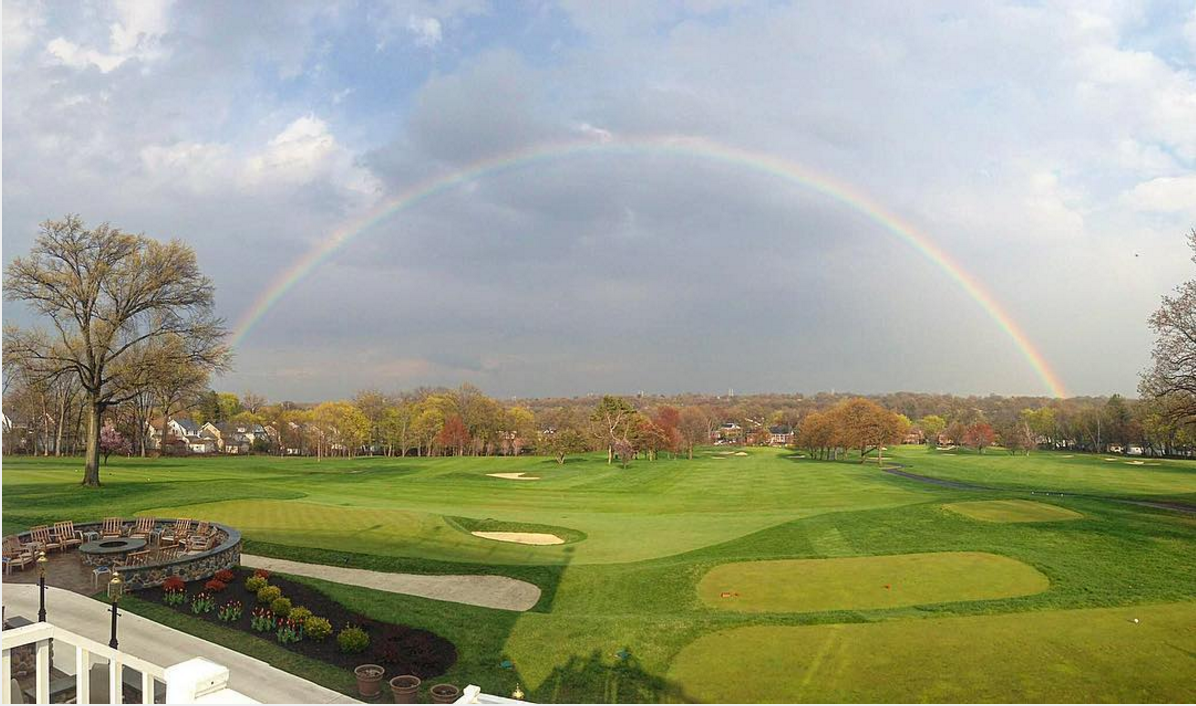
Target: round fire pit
(104,551)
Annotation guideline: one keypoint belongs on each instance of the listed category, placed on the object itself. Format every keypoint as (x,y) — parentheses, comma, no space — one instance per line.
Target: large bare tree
(1172,377)
(110,297)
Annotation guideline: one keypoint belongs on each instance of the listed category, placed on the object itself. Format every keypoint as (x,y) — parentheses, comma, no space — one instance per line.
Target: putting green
(1044,657)
(1013,511)
(854,583)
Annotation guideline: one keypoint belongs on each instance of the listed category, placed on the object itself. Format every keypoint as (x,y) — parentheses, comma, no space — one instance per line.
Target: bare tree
(1172,377)
(110,295)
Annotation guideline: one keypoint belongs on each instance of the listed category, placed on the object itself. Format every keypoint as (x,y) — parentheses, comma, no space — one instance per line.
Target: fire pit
(105,551)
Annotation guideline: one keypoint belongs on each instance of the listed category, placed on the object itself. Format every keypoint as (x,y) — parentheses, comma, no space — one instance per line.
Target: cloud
(425,29)
(134,34)
(1165,195)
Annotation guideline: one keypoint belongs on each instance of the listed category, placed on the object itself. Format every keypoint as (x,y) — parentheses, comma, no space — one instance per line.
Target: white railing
(187,682)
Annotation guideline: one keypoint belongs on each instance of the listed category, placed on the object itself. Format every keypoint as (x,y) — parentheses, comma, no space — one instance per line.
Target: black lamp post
(115,588)
(41,584)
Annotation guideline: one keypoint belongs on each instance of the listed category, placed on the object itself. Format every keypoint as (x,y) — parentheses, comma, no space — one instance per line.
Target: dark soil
(400,648)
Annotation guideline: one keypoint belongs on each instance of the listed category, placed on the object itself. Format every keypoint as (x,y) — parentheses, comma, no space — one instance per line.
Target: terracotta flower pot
(444,693)
(369,680)
(405,688)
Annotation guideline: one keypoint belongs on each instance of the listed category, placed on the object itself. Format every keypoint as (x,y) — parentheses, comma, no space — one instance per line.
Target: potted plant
(444,693)
(405,688)
(369,680)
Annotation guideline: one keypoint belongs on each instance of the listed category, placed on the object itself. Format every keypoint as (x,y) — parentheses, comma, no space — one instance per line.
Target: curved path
(498,592)
(1173,505)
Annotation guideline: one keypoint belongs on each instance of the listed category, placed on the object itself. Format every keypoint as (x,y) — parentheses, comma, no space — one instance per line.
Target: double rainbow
(660,145)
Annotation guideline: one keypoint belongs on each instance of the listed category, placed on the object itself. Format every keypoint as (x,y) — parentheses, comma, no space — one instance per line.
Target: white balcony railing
(193,681)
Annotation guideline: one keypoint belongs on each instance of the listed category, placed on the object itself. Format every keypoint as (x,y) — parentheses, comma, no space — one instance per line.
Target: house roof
(780,429)
(187,425)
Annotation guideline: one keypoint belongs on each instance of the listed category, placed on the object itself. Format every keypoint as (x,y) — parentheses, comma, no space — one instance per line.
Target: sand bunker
(741,453)
(513,476)
(534,538)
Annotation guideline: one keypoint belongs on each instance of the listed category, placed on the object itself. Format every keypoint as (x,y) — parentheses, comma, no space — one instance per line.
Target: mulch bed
(400,648)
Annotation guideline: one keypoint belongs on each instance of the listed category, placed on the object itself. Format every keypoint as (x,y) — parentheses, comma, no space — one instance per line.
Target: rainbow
(669,145)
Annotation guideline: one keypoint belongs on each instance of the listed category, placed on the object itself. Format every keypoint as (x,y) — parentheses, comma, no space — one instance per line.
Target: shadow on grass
(592,679)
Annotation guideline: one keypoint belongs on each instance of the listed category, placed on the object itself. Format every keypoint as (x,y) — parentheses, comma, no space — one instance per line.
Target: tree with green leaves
(110,296)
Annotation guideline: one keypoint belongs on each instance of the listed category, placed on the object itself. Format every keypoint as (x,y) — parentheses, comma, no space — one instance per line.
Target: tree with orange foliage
(980,435)
(454,435)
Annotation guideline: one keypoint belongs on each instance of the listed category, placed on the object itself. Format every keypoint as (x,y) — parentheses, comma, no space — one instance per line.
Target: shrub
(261,573)
(262,620)
(230,611)
(253,584)
(269,594)
(281,607)
(225,575)
(214,586)
(174,597)
(300,614)
(174,583)
(317,628)
(352,640)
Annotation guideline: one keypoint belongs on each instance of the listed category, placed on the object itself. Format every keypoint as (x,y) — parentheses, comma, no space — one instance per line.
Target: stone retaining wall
(189,567)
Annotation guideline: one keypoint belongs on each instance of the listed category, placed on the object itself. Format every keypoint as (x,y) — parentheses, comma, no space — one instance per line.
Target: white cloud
(304,152)
(1165,195)
(135,34)
(426,30)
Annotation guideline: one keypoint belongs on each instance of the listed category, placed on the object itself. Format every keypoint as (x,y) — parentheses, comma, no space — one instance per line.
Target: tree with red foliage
(112,441)
(668,420)
(454,435)
(980,435)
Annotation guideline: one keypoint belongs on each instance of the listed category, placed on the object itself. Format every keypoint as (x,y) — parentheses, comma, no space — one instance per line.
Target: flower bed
(401,649)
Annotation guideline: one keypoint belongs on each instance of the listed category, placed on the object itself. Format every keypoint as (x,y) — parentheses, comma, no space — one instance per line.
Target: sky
(1047,148)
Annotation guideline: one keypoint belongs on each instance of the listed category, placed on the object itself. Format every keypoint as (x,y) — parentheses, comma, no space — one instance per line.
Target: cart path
(499,592)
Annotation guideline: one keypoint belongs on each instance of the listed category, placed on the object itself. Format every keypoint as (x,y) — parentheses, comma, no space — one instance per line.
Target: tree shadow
(593,679)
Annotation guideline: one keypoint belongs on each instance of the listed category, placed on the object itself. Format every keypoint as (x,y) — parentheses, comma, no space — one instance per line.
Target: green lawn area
(645,543)
(1012,511)
(1088,658)
(1056,472)
(848,583)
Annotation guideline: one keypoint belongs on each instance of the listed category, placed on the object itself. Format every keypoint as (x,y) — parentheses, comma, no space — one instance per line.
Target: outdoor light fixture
(115,588)
(41,584)
(517,694)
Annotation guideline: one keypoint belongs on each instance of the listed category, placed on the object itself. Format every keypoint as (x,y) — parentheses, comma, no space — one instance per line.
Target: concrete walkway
(486,591)
(165,646)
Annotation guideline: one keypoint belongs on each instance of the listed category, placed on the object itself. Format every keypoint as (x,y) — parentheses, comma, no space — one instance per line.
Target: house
(201,445)
(780,435)
(914,436)
(241,437)
(728,433)
(181,428)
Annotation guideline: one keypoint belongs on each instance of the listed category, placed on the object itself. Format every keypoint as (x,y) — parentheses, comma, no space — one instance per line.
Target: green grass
(812,585)
(1012,511)
(642,539)
(1088,658)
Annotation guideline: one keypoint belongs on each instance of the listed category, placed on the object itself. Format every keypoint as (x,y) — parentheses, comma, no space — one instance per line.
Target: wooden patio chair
(177,534)
(198,540)
(113,527)
(144,527)
(67,535)
(17,554)
(41,536)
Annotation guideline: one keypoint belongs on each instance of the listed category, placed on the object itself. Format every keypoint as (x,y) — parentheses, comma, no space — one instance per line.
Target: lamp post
(517,694)
(41,585)
(115,588)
